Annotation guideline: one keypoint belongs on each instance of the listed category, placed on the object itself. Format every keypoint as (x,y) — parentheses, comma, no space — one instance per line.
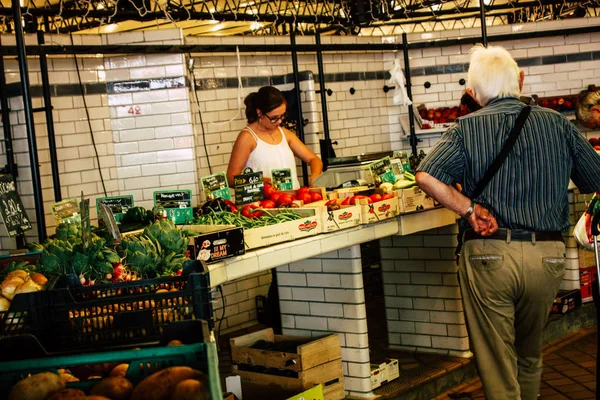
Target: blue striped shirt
(529,191)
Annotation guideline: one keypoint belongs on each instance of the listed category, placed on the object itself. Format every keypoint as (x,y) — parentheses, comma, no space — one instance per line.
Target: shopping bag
(583,229)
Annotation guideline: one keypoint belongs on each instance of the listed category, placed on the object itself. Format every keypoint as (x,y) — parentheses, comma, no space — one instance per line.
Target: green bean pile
(229,218)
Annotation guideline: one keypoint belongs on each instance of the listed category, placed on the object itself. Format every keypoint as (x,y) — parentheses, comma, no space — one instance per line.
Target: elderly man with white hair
(513,162)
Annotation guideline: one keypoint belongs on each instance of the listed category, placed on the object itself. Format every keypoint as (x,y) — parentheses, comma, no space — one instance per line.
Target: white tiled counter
(274,256)
(320,285)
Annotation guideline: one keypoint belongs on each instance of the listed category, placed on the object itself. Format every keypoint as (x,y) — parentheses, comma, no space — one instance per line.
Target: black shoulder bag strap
(495,166)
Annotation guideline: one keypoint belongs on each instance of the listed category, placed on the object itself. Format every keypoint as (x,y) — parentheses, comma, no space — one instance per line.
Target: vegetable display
(251,216)
(19,277)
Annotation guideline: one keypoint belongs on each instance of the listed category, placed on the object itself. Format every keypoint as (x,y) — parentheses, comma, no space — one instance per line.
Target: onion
(4,304)
(39,279)
(9,286)
(28,287)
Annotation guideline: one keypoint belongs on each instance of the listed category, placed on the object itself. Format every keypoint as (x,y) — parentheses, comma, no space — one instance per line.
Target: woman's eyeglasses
(276,118)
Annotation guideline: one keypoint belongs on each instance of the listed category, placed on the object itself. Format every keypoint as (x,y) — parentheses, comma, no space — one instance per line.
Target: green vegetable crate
(71,318)
(142,363)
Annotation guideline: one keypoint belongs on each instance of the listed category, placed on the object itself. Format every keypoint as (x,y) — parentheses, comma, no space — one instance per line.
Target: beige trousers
(508,288)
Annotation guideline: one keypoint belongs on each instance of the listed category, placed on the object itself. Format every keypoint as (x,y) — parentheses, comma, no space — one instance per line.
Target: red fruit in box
(305,197)
(446,112)
(568,104)
(438,114)
(443,120)
(596,147)
(423,113)
(426,126)
(561,101)
(316,196)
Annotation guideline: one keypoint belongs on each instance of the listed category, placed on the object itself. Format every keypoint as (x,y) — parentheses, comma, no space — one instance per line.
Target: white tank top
(266,157)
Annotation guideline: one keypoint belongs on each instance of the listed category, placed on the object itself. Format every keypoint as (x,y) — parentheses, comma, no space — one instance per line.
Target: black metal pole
(483,26)
(28,110)
(411,117)
(322,87)
(49,120)
(299,105)
(11,167)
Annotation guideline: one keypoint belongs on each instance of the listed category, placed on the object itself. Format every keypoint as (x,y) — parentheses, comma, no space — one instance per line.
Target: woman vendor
(264,145)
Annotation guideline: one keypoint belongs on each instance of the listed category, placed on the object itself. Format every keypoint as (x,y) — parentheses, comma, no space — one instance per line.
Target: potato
(4,304)
(175,343)
(190,389)
(36,387)
(67,394)
(119,370)
(160,385)
(20,273)
(69,378)
(39,279)
(113,387)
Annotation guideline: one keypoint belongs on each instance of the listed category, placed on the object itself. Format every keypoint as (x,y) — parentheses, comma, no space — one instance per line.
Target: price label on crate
(249,187)
(282,178)
(215,185)
(12,211)
(382,170)
(66,211)
(177,204)
(118,205)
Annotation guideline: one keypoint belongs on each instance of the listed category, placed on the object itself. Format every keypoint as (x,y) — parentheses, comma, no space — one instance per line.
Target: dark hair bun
(266,99)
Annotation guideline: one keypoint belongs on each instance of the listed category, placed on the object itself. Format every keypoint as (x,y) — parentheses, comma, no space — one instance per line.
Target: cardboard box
(379,210)
(392,369)
(566,301)
(587,279)
(377,375)
(212,243)
(587,258)
(331,221)
(414,199)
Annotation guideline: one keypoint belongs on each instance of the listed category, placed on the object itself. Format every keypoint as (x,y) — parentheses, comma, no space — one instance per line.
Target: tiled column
(577,206)
(323,295)
(422,296)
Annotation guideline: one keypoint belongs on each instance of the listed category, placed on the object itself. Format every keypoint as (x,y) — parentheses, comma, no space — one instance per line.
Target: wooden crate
(315,361)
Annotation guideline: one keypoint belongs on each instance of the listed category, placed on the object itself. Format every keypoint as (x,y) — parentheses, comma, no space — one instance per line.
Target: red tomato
(316,196)
(387,196)
(269,190)
(284,200)
(375,197)
(305,197)
(275,196)
(301,191)
(346,201)
(267,204)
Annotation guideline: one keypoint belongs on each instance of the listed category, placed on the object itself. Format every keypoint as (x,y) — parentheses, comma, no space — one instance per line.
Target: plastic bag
(583,229)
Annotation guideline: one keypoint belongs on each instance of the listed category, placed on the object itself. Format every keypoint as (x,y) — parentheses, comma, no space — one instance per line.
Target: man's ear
(521,79)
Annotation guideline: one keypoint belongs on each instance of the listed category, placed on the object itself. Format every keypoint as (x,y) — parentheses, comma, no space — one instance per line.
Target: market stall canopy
(255,17)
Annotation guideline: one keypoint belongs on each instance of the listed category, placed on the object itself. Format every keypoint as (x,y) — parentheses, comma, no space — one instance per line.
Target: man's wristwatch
(469,210)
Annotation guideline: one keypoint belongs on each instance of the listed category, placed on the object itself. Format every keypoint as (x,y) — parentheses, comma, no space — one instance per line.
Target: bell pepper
(231,205)
(248,212)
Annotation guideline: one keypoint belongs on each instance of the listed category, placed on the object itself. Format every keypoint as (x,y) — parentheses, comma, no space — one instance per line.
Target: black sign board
(11,208)
(118,204)
(249,187)
(173,198)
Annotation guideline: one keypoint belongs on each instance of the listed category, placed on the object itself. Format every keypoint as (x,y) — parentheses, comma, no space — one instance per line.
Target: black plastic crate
(28,314)
(127,314)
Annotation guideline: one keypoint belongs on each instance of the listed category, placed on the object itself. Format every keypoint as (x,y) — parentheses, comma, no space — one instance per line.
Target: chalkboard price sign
(282,178)
(11,208)
(118,205)
(215,185)
(382,170)
(249,187)
(177,204)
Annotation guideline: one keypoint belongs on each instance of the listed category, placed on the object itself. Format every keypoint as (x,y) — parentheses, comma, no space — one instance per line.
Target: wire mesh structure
(275,17)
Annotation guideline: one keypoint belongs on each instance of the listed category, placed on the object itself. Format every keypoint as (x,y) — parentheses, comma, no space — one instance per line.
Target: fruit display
(595,142)
(19,278)
(440,115)
(559,103)
(588,109)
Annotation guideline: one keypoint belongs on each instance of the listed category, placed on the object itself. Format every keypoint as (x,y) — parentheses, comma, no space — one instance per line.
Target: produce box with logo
(378,210)
(336,219)
(414,199)
(308,225)
(212,243)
